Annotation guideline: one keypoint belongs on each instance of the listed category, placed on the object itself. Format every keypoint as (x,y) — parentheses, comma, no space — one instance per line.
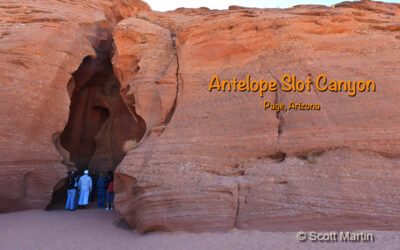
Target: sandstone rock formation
(41,44)
(220,161)
(201,161)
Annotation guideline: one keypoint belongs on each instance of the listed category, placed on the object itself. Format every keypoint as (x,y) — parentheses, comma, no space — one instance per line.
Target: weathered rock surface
(220,161)
(41,44)
(146,55)
(207,160)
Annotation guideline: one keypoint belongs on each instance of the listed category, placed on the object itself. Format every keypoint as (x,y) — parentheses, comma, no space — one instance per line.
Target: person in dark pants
(101,190)
(94,179)
(77,175)
(71,192)
(110,191)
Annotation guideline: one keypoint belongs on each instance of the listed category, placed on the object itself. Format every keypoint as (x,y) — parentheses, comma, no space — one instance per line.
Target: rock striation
(42,44)
(201,160)
(219,160)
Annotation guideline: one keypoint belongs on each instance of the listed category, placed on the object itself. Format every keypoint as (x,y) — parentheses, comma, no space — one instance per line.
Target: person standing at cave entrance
(110,191)
(94,177)
(101,190)
(77,175)
(71,191)
(85,187)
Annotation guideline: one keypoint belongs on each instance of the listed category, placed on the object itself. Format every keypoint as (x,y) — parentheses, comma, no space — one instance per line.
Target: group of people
(83,187)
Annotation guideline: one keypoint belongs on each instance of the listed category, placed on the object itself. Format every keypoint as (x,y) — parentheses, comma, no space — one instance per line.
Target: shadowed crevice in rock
(100,128)
(279,116)
(179,80)
(41,45)
(237,205)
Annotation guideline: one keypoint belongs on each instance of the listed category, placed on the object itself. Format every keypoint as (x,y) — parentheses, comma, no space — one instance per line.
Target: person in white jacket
(85,186)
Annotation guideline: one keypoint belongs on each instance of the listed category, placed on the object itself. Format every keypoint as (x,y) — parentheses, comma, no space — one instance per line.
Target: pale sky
(164,5)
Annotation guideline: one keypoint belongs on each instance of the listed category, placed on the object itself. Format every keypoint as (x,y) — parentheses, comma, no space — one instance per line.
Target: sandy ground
(97,229)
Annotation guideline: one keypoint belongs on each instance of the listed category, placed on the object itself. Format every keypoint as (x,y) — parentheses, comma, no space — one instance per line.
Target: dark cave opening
(84,122)
(99,123)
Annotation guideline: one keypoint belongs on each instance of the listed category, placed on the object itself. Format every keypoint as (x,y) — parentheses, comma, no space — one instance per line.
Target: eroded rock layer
(41,44)
(206,160)
(219,161)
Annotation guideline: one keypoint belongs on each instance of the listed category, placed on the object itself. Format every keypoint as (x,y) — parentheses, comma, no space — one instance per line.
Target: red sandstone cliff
(41,44)
(219,160)
(209,160)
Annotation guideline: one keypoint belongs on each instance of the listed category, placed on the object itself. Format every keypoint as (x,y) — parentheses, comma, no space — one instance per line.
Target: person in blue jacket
(101,190)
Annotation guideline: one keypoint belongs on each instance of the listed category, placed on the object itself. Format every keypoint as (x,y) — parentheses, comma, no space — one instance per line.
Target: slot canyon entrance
(100,128)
